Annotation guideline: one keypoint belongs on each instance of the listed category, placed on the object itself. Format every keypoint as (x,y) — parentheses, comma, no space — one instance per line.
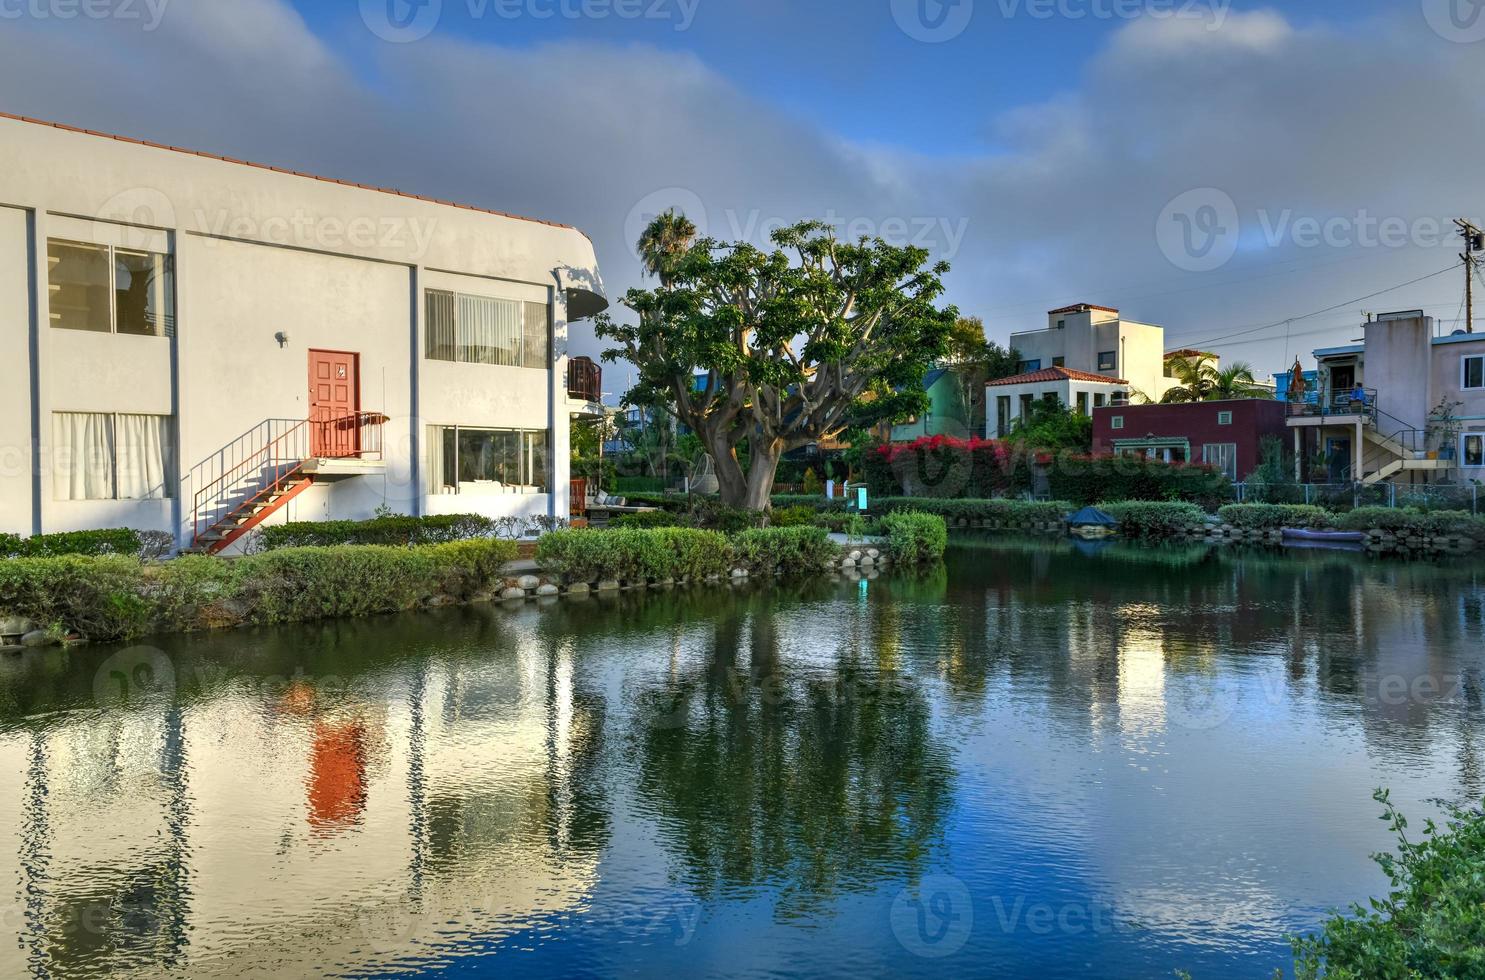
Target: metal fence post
(1392,495)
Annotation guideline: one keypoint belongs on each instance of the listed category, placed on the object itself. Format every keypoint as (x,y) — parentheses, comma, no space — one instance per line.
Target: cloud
(1060,208)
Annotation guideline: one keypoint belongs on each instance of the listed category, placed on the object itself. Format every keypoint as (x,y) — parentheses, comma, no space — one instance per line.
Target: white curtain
(436,484)
(145,457)
(440,326)
(83,455)
(489,331)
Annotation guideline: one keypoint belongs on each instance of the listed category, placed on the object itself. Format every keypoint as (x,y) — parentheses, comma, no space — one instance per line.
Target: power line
(1307,316)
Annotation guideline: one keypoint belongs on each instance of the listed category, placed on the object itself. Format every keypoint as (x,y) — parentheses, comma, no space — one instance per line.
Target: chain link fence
(1348,496)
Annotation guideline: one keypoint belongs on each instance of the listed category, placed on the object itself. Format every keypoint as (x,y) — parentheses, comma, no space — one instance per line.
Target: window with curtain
(1222,456)
(110,290)
(106,456)
(487,461)
(482,330)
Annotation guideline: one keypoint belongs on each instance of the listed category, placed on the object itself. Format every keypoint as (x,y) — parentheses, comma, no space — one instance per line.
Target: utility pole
(1474,241)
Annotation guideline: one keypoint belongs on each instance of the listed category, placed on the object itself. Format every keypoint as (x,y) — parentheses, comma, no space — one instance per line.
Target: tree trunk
(732,485)
(763,467)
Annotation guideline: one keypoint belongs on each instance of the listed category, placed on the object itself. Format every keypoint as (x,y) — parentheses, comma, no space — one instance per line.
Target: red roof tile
(282,170)
(1055,374)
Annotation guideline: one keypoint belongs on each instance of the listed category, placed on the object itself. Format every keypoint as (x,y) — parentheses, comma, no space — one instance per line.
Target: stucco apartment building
(195,344)
(1405,405)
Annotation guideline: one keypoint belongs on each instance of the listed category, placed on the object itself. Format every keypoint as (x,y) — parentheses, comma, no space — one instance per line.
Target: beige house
(1404,405)
(1097,340)
(198,344)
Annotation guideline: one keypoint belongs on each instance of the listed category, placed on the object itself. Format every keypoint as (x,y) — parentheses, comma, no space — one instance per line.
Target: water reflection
(1181,741)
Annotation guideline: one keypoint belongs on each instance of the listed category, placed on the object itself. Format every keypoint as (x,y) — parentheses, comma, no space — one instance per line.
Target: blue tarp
(1091,517)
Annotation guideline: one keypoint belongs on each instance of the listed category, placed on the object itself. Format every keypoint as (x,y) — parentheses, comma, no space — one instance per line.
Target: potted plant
(1445,423)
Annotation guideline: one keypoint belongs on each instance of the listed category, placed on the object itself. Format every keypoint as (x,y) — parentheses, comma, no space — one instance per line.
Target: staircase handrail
(257,459)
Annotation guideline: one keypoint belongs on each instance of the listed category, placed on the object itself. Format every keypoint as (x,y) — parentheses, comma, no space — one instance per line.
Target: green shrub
(1142,519)
(784,550)
(1274,517)
(1429,925)
(1089,479)
(648,519)
(1404,522)
(394,530)
(113,541)
(798,516)
(915,538)
(625,486)
(114,597)
(622,554)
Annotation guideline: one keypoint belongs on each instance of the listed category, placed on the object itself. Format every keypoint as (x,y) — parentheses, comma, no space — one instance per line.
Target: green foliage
(762,326)
(113,541)
(800,515)
(1053,426)
(1273,517)
(626,485)
(998,513)
(114,597)
(1147,519)
(1200,380)
(1273,481)
(915,538)
(1431,922)
(784,550)
(1091,479)
(648,519)
(1407,522)
(392,530)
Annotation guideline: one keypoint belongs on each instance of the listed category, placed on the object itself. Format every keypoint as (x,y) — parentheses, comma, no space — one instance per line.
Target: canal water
(1039,760)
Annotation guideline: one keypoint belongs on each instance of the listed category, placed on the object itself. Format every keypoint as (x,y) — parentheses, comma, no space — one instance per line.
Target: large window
(481,330)
(110,290)
(1108,361)
(103,456)
(1472,372)
(487,461)
(1222,456)
(1474,449)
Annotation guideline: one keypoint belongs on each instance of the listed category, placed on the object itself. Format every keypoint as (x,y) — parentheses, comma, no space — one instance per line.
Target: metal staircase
(256,475)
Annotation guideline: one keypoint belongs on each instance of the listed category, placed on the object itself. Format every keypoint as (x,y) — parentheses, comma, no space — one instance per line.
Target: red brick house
(1226,434)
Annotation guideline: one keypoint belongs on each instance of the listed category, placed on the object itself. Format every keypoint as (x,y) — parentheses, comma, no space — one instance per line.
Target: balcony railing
(584,380)
(1338,403)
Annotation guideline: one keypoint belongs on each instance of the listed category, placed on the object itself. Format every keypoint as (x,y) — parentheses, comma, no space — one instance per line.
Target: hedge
(677,554)
(1092,479)
(112,597)
(1273,517)
(1409,523)
(945,468)
(114,541)
(914,537)
(1146,519)
(394,530)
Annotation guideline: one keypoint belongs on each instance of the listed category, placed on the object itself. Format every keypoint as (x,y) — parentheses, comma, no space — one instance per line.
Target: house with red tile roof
(1010,399)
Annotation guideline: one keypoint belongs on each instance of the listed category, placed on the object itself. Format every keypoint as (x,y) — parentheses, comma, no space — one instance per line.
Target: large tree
(975,359)
(1200,380)
(769,351)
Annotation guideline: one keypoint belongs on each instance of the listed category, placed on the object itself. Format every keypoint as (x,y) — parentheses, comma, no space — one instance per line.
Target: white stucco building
(196,343)
(1097,340)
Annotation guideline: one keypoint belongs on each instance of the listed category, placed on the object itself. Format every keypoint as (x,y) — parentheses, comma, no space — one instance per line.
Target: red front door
(334,404)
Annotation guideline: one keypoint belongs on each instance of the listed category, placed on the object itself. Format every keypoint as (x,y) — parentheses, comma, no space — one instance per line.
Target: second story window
(483,330)
(102,289)
(1473,373)
(1108,361)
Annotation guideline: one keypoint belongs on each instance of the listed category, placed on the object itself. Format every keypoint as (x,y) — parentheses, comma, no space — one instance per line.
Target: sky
(1252,176)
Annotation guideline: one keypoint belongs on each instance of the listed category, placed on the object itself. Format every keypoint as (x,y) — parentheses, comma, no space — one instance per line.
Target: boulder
(579,588)
(739,573)
(513,593)
(868,561)
(15,626)
(38,638)
(848,562)
(873,553)
(528,582)
(855,556)
(548,589)
(608,585)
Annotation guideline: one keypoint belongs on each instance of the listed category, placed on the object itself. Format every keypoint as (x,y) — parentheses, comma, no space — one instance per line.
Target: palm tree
(1202,381)
(1237,381)
(665,240)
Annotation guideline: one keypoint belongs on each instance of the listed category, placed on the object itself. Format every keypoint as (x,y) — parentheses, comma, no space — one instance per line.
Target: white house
(197,344)
(1010,399)
(1097,340)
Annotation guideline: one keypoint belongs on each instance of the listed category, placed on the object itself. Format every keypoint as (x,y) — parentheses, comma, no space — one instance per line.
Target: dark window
(1108,361)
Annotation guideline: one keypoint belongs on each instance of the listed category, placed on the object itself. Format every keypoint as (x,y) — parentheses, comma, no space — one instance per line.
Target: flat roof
(282,170)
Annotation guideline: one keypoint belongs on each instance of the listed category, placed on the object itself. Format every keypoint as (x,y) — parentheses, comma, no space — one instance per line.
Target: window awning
(1154,442)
